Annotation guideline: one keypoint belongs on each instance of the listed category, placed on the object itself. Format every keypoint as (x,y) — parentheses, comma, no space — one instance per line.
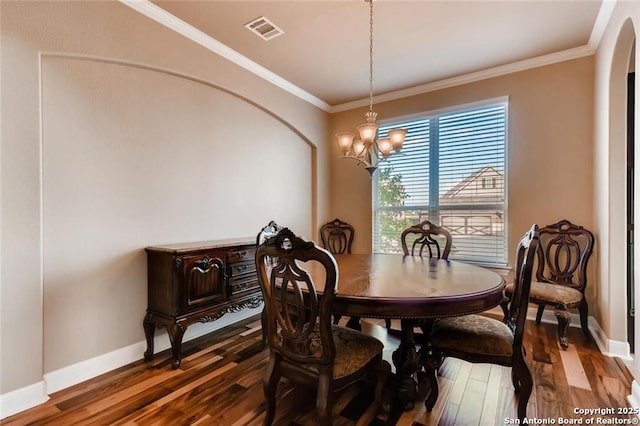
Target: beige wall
(122,134)
(549,154)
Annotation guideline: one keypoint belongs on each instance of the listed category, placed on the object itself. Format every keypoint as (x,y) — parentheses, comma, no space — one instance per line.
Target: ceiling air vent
(264,28)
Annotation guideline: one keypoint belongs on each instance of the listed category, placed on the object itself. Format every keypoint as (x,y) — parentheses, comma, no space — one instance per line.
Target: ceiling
(324,50)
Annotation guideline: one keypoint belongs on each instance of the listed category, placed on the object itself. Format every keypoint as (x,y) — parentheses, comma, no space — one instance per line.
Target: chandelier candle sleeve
(369,150)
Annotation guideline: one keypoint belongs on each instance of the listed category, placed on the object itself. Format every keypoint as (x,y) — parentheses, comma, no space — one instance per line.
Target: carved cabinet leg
(564,318)
(176,331)
(149,330)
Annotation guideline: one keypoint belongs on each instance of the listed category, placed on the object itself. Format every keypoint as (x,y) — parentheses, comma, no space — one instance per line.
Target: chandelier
(369,150)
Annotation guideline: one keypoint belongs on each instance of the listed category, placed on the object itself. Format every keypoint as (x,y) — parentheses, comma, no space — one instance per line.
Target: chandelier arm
(376,151)
(362,161)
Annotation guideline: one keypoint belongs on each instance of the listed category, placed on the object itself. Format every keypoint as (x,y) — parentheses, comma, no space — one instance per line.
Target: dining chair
(337,237)
(427,234)
(480,339)
(561,275)
(435,238)
(304,346)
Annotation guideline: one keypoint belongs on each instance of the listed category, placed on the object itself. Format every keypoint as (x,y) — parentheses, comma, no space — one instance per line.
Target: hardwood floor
(220,383)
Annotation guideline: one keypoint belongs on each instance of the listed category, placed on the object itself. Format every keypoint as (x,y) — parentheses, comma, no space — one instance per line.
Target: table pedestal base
(405,359)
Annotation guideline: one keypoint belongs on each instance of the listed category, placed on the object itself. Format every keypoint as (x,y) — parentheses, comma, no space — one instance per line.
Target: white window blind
(451,171)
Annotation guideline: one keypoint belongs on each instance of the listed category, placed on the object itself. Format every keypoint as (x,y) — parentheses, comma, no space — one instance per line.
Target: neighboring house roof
(460,186)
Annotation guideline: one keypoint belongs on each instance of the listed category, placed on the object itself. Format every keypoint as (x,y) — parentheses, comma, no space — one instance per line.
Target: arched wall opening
(617,299)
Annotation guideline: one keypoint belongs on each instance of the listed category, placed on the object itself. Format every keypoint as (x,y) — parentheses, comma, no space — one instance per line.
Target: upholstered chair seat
(474,334)
(552,294)
(353,350)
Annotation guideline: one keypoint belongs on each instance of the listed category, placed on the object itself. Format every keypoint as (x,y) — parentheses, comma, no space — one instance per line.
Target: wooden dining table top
(410,287)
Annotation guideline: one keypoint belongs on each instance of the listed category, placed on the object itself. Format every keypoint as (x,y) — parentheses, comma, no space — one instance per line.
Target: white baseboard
(607,346)
(84,370)
(634,398)
(22,399)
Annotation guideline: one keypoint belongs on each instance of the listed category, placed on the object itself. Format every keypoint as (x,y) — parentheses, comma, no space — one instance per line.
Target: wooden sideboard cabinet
(197,282)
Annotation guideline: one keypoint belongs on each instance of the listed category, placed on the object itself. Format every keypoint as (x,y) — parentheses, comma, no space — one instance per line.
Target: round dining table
(411,289)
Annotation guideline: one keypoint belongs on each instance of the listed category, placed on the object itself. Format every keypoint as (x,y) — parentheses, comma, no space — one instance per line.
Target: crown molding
(156,13)
(552,58)
(602,20)
(170,21)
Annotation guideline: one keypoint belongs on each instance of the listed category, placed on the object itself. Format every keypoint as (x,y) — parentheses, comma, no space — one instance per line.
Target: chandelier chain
(370,55)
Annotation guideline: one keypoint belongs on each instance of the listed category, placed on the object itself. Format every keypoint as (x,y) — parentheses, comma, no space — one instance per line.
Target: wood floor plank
(220,383)
(424,418)
(574,369)
(152,408)
(595,380)
(461,384)
(491,399)
(480,372)
(507,404)
(546,391)
(615,388)
(471,405)
(449,414)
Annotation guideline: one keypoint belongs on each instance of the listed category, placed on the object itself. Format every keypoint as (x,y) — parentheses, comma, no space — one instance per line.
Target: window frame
(498,265)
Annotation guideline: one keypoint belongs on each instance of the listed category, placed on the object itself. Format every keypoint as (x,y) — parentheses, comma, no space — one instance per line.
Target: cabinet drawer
(241,256)
(243,276)
(241,270)
(249,283)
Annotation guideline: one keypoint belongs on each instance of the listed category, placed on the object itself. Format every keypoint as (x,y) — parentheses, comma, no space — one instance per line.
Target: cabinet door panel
(204,280)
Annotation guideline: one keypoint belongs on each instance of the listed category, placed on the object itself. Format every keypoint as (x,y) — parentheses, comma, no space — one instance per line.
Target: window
(450,171)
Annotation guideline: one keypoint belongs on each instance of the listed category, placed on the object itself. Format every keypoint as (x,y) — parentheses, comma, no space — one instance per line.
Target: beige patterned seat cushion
(473,334)
(353,350)
(552,294)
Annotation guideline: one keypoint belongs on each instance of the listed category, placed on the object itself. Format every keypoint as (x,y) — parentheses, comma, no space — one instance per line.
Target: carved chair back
(270,230)
(337,236)
(293,310)
(525,256)
(563,254)
(435,238)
